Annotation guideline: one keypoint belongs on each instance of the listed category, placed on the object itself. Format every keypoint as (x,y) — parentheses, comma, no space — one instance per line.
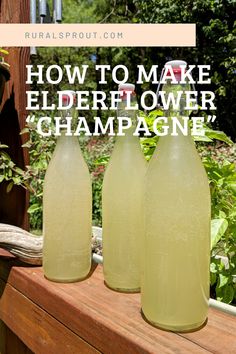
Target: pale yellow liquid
(175,280)
(67,214)
(123,214)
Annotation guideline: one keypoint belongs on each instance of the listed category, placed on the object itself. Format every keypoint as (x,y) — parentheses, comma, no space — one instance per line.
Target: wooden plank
(219,336)
(9,342)
(36,328)
(108,320)
(13,205)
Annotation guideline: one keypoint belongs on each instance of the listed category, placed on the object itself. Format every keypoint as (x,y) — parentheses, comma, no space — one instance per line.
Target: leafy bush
(10,173)
(222,178)
(40,152)
(215,38)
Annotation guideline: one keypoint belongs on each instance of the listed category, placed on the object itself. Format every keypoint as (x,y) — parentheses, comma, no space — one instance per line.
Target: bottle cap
(126,87)
(66,97)
(175,64)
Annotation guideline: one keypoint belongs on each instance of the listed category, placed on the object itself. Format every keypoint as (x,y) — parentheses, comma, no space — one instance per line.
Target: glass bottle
(67,213)
(122,205)
(175,286)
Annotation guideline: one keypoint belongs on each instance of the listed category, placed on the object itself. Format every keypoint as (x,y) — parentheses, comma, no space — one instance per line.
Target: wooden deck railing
(86,317)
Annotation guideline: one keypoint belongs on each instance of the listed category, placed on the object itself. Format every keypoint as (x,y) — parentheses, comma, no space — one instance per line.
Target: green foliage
(218,228)
(222,177)
(216,39)
(40,151)
(211,135)
(2,59)
(10,173)
(97,152)
(223,279)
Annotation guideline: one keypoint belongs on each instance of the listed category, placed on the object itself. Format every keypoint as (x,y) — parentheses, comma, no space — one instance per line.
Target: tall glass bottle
(67,213)
(175,286)
(122,205)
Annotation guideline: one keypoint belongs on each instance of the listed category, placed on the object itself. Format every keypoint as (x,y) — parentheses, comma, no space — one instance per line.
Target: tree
(216,45)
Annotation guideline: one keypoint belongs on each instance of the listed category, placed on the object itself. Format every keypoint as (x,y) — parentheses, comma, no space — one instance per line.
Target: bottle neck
(127,142)
(178,127)
(66,140)
(176,121)
(178,92)
(128,137)
(128,107)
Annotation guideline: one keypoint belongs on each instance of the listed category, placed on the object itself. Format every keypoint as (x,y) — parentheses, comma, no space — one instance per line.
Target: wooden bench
(84,318)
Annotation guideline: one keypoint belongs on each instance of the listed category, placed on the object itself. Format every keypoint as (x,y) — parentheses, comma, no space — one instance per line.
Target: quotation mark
(30,119)
(211,119)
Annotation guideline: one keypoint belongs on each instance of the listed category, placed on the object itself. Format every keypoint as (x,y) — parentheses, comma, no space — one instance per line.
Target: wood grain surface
(42,333)
(111,321)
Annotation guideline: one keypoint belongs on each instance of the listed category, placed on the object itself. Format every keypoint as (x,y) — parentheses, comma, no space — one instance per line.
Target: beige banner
(98,35)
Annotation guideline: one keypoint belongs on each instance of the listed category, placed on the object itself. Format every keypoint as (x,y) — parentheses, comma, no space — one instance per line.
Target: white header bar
(98,35)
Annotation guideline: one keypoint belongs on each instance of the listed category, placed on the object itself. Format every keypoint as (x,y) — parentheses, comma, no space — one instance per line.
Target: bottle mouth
(175,65)
(124,88)
(124,94)
(66,98)
(175,71)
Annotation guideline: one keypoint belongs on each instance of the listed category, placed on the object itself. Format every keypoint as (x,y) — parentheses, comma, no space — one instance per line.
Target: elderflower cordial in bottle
(122,205)
(175,285)
(67,213)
